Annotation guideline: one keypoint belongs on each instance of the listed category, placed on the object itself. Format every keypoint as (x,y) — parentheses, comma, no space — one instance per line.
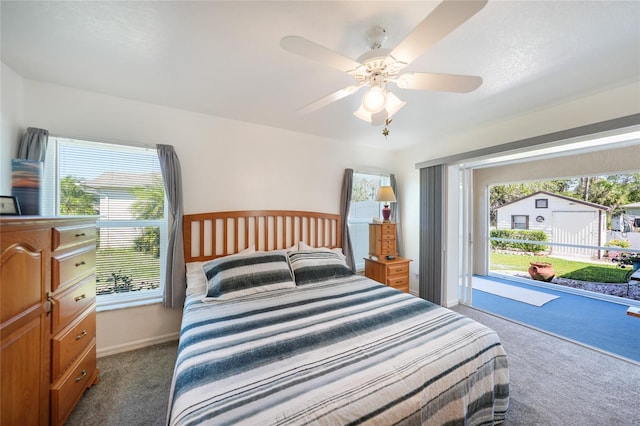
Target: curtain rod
(100,140)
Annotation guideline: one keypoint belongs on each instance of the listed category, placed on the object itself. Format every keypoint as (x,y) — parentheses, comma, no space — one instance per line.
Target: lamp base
(386,213)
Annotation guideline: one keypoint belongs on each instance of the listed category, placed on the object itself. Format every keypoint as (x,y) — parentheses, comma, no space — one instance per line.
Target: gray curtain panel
(175,281)
(395,214)
(345,202)
(33,145)
(432,222)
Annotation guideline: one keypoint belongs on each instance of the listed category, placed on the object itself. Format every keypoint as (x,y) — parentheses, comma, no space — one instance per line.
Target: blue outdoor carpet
(604,325)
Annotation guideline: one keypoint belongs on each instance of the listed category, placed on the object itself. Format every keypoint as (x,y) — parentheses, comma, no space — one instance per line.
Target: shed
(565,220)
(632,209)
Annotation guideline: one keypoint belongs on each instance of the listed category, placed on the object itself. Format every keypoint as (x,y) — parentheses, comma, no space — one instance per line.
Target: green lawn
(142,269)
(571,269)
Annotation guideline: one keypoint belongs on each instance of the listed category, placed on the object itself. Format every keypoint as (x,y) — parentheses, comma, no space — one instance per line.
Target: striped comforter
(344,351)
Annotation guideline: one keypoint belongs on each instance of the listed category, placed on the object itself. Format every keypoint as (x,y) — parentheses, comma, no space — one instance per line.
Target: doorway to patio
(587,246)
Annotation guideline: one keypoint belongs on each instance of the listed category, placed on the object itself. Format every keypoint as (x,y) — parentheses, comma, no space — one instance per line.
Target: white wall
(12,126)
(592,108)
(226,165)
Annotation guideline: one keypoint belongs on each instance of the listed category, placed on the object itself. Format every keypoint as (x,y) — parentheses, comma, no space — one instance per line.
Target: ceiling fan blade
(439,82)
(448,16)
(335,96)
(302,46)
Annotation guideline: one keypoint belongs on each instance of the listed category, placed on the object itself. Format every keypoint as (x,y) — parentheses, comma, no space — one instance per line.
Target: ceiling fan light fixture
(374,100)
(390,107)
(393,104)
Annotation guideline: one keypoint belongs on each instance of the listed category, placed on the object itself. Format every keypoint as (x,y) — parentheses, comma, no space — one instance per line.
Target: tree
(607,190)
(503,194)
(76,198)
(149,205)
(364,189)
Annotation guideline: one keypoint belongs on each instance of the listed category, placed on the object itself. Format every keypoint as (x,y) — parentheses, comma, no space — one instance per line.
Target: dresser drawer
(398,269)
(66,392)
(70,343)
(69,267)
(386,249)
(70,303)
(69,236)
(388,231)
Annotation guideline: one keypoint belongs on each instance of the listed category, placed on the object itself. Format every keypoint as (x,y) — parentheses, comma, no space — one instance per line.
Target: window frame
(51,205)
(513,221)
(542,203)
(352,222)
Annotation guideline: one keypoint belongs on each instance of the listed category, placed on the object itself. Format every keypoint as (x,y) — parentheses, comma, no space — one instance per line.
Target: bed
(277,330)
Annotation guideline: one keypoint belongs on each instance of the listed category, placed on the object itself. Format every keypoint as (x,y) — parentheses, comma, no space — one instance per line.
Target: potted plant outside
(541,271)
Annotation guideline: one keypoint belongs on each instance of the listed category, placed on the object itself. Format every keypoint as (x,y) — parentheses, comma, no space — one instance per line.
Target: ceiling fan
(381,66)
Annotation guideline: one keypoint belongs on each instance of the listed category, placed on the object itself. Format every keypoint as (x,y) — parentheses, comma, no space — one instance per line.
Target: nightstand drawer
(398,282)
(393,273)
(72,302)
(68,346)
(398,269)
(69,267)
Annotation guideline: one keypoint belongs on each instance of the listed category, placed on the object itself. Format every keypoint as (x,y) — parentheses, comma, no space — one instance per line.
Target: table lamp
(385,194)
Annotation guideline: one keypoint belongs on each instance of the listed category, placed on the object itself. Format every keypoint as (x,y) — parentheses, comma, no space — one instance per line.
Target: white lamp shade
(374,100)
(385,194)
(393,105)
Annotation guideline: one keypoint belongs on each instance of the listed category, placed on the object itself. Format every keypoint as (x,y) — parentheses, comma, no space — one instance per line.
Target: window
(362,209)
(519,222)
(542,203)
(123,186)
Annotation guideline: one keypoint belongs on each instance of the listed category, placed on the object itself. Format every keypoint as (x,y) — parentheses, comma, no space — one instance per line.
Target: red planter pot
(541,271)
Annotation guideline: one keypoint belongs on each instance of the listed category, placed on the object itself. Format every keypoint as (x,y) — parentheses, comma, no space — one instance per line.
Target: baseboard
(138,344)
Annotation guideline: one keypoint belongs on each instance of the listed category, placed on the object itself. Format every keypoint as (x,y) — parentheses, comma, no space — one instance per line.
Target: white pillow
(196,280)
(305,247)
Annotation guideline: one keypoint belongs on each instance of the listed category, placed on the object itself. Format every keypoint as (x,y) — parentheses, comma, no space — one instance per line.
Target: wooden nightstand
(394,273)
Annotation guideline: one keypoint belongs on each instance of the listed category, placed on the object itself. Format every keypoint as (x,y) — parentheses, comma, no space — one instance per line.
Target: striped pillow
(241,275)
(311,266)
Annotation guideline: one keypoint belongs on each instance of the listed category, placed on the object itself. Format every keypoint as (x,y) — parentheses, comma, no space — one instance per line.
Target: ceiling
(223,58)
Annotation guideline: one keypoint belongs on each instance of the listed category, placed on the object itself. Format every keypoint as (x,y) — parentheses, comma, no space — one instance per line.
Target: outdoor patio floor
(596,323)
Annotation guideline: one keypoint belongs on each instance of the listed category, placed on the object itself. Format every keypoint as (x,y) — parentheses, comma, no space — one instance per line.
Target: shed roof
(124,180)
(564,197)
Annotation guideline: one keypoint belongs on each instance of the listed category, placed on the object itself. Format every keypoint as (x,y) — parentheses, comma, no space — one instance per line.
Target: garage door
(579,228)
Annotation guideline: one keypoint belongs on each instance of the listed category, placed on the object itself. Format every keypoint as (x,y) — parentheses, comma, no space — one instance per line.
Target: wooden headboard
(211,235)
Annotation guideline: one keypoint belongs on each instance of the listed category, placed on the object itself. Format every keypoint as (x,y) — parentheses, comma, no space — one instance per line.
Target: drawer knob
(81,235)
(81,335)
(82,262)
(79,298)
(84,373)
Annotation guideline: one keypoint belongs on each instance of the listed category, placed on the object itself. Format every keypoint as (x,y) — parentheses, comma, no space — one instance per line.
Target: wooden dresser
(382,240)
(383,243)
(47,317)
